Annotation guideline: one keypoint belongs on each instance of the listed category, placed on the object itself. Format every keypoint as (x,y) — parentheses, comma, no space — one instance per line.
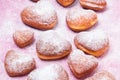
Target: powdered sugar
(75,53)
(45,12)
(94,40)
(51,43)
(95,1)
(81,61)
(78,15)
(50,72)
(23,37)
(102,75)
(18,62)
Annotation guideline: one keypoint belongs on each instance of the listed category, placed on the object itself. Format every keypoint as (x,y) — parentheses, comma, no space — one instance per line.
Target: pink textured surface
(10,20)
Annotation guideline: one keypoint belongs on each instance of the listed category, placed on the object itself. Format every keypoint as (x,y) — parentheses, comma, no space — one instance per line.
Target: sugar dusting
(51,43)
(81,61)
(44,12)
(95,1)
(23,36)
(47,73)
(102,75)
(94,40)
(17,62)
(78,15)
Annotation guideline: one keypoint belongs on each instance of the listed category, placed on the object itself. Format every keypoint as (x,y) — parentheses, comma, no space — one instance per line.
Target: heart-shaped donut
(51,72)
(96,5)
(65,3)
(52,46)
(81,64)
(79,20)
(102,75)
(18,64)
(34,0)
(94,42)
(41,16)
(23,38)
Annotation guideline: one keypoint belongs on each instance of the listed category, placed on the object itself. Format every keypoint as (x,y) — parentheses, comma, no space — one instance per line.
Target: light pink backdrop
(109,21)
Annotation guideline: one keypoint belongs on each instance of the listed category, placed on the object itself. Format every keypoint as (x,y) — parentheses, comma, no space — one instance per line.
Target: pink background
(10,20)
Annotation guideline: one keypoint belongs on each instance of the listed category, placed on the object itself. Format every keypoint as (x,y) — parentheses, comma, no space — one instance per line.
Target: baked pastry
(23,38)
(41,16)
(51,72)
(35,0)
(79,20)
(81,64)
(102,75)
(52,46)
(94,42)
(96,5)
(18,64)
(65,3)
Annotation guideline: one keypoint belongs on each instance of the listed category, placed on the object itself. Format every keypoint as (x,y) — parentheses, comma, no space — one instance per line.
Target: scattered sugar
(81,61)
(51,43)
(95,1)
(47,73)
(78,15)
(102,75)
(45,11)
(18,62)
(23,36)
(75,53)
(93,40)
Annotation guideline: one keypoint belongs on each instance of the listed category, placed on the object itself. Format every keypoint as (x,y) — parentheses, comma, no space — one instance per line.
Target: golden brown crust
(38,16)
(23,38)
(65,3)
(82,74)
(51,46)
(88,51)
(81,27)
(81,64)
(52,57)
(102,75)
(96,5)
(84,20)
(35,0)
(36,24)
(17,69)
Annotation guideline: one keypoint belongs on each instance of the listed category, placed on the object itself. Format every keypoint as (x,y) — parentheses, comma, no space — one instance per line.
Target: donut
(23,38)
(51,72)
(40,16)
(93,42)
(102,75)
(79,20)
(34,0)
(65,3)
(18,64)
(81,64)
(51,45)
(96,5)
